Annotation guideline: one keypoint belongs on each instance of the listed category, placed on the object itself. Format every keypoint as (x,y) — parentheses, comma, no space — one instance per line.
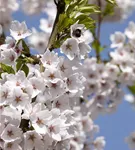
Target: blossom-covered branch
(49,101)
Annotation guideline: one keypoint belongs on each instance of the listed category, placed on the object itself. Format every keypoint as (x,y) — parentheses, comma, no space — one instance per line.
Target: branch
(99,30)
(60,10)
(55,2)
(99,21)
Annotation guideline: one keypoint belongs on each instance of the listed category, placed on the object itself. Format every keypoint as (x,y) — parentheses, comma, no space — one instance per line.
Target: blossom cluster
(105,80)
(43,110)
(53,105)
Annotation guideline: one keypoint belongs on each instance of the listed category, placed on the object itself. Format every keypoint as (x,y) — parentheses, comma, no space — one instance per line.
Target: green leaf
(109,10)
(89,9)
(111,2)
(6,68)
(78,2)
(19,65)
(25,69)
(71,8)
(132,89)
(26,49)
(67,22)
(82,17)
(68,1)
(83,2)
(86,20)
(64,22)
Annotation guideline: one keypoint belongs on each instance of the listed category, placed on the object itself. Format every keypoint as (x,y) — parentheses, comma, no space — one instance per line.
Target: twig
(99,21)
(55,2)
(60,10)
(98,30)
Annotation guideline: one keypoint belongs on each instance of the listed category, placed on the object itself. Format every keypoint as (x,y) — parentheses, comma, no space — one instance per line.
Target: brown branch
(99,30)
(60,10)
(99,20)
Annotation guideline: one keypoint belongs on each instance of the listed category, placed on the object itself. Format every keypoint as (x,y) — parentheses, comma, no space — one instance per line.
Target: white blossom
(11,133)
(117,39)
(130,30)
(130,98)
(70,48)
(99,143)
(19,98)
(12,146)
(33,140)
(19,30)
(53,129)
(46,25)
(130,140)
(38,41)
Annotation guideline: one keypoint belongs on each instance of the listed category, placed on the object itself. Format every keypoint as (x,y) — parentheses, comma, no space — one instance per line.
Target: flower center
(52,76)
(32,137)
(51,128)
(54,85)
(39,121)
(68,47)
(62,68)
(5,95)
(18,99)
(57,104)
(9,145)
(10,133)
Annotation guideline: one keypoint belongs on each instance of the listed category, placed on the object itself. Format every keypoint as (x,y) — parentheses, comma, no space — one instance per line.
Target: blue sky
(117,126)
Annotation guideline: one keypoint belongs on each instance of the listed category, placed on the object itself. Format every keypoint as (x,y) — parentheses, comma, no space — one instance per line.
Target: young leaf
(109,9)
(19,65)
(71,8)
(26,49)
(25,69)
(86,20)
(67,1)
(89,9)
(64,22)
(6,68)
(83,2)
(112,1)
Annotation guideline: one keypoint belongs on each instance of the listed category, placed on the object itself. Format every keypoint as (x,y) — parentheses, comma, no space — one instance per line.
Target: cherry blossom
(70,48)
(49,101)
(19,30)
(131,140)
